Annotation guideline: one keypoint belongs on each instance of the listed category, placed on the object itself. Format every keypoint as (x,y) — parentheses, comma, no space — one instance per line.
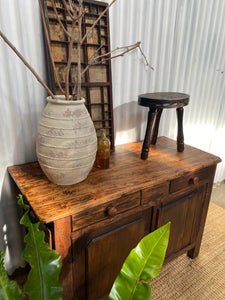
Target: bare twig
(74,15)
(146,61)
(75,88)
(49,48)
(69,59)
(80,16)
(92,59)
(79,51)
(96,51)
(96,21)
(72,6)
(95,59)
(127,49)
(68,10)
(27,64)
(58,18)
(77,85)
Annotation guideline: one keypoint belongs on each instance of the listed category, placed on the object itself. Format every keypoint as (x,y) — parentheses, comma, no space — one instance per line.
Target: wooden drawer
(111,209)
(191,179)
(154,195)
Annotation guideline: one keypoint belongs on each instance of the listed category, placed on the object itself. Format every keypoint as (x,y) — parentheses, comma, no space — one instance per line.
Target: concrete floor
(218,194)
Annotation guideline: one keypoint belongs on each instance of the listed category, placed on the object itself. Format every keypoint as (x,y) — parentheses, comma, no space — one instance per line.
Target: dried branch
(92,59)
(26,64)
(95,59)
(146,61)
(49,48)
(58,18)
(69,58)
(68,11)
(127,49)
(79,77)
(72,6)
(76,14)
(96,21)
(80,16)
(74,11)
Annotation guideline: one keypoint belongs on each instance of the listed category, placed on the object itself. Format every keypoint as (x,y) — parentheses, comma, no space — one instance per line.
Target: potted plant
(133,282)
(66,141)
(42,281)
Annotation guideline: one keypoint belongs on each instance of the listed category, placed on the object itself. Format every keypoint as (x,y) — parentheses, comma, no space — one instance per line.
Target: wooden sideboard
(95,224)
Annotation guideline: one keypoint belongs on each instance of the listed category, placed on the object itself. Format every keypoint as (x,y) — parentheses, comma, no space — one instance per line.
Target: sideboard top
(127,174)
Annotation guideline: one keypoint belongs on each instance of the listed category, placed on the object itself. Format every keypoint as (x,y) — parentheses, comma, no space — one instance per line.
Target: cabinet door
(185,215)
(99,262)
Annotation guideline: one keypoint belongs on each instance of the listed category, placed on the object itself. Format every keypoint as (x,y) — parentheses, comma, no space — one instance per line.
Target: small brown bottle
(103,152)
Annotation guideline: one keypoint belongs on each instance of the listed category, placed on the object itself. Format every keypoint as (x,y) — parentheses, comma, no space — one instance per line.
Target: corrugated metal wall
(184,41)
(21,103)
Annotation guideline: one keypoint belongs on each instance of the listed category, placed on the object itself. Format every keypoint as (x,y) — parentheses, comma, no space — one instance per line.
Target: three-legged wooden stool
(156,103)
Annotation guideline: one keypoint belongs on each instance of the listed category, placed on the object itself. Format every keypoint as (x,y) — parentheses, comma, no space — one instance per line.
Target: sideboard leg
(62,240)
(195,251)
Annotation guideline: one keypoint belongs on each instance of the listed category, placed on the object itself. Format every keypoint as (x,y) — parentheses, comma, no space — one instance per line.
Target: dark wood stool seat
(156,103)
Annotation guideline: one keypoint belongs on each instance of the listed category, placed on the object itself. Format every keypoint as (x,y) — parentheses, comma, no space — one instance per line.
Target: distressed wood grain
(127,174)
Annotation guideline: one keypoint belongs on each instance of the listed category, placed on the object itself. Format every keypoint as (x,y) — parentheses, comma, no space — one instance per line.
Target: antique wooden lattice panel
(97,81)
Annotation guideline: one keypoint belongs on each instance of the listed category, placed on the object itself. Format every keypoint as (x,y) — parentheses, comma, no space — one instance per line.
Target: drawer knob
(111,211)
(194,180)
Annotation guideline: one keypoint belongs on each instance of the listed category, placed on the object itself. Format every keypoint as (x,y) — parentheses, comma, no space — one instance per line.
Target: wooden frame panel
(97,81)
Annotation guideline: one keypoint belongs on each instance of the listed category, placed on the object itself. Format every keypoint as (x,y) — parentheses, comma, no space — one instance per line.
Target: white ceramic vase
(66,141)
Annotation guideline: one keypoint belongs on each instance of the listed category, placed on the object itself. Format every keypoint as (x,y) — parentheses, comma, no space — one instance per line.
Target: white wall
(21,101)
(184,41)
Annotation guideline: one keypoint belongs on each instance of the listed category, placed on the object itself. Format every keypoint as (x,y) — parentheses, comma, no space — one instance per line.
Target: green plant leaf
(9,289)
(42,282)
(142,264)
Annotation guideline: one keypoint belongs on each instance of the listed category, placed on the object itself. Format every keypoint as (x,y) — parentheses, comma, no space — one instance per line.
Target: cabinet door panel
(104,254)
(185,215)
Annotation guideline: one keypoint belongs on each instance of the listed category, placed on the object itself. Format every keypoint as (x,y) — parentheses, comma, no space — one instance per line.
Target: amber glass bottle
(103,152)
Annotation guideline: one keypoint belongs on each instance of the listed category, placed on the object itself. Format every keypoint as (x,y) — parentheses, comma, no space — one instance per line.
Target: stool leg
(156,127)
(146,143)
(180,135)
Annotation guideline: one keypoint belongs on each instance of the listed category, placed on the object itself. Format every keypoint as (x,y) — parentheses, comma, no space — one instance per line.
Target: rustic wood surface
(98,221)
(127,174)
(163,100)
(62,244)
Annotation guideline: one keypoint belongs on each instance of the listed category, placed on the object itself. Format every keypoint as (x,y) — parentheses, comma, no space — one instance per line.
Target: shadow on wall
(10,214)
(129,122)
